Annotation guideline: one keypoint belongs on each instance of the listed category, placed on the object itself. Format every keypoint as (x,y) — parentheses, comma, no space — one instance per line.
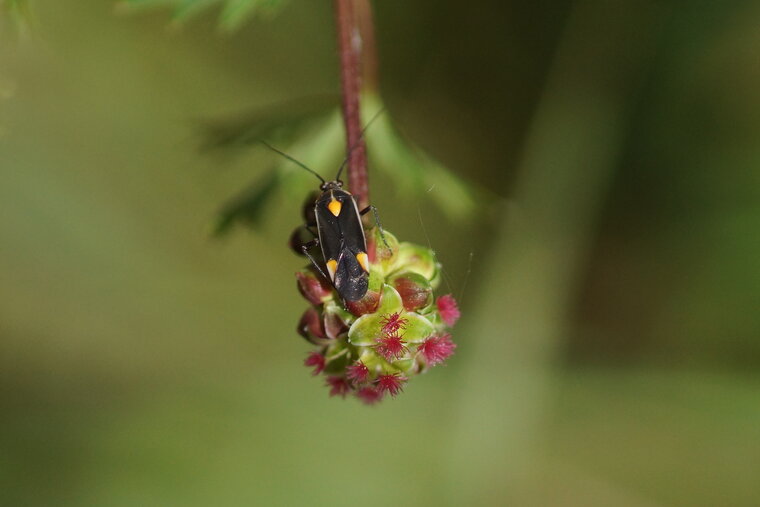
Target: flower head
(447,307)
(316,360)
(370,348)
(390,383)
(357,372)
(390,346)
(338,386)
(369,395)
(437,349)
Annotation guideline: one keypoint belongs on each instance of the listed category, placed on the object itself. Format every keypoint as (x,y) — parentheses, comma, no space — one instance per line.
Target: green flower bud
(313,287)
(310,326)
(415,290)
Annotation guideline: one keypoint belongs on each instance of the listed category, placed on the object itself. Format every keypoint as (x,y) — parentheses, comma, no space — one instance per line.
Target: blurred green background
(610,285)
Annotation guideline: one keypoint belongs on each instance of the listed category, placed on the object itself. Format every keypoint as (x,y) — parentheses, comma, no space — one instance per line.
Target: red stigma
(390,346)
(437,349)
(357,372)
(447,307)
(390,383)
(338,386)
(316,360)
(392,323)
(369,395)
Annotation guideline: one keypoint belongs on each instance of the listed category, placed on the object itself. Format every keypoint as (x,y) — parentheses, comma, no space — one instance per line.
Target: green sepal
(390,301)
(435,318)
(376,279)
(404,365)
(376,364)
(367,328)
(364,331)
(415,290)
(385,255)
(435,281)
(417,328)
(429,311)
(337,356)
(369,358)
(417,259)
(334,307)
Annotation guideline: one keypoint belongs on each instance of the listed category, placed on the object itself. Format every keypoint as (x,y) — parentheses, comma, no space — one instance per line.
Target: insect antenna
(361,136)
(300,164)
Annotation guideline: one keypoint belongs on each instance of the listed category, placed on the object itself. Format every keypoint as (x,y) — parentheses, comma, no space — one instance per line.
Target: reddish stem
(350,43)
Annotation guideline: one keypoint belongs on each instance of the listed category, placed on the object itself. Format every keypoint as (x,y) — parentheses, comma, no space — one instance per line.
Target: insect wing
(351,280)
(351,225)
(328,229)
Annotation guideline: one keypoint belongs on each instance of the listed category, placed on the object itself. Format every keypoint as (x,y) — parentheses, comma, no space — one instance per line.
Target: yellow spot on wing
(363,260)
(332,265)
(334,206)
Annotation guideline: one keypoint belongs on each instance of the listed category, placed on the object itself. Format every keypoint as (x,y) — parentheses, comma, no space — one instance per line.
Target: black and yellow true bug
(339,234)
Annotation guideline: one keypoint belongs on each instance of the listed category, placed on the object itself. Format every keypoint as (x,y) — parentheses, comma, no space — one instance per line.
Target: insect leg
(302,235)
(305,249)
(377,221)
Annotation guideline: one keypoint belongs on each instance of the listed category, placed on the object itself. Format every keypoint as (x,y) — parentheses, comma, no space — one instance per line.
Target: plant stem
(353,20)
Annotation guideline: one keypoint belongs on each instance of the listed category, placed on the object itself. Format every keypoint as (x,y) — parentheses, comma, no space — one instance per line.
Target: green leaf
(250,206)
(416,172)
(320,146)
(234,12)
(282,123)
(237,12)
(18,15)
(188,8)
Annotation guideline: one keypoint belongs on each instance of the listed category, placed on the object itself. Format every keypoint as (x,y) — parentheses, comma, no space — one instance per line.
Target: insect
(339,234)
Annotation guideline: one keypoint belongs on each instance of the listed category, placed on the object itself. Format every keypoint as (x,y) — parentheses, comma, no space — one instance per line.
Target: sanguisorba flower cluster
(371,348)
